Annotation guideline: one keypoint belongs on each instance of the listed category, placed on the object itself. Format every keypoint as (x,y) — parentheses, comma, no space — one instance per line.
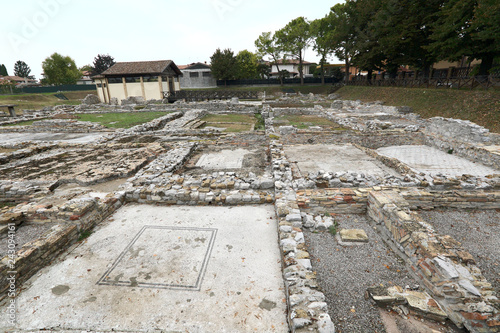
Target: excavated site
(304,213)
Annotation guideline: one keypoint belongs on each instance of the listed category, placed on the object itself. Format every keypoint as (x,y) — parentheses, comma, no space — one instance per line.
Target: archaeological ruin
(291,213)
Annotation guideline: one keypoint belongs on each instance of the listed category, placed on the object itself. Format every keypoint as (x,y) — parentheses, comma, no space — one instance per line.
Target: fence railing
(203,95)
(472,82)
(307,80)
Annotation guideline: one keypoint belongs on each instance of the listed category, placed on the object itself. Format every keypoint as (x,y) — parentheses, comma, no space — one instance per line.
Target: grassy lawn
(120,119)
(38,101)
(304,121)
(306,89)
(232,123)
(479,106)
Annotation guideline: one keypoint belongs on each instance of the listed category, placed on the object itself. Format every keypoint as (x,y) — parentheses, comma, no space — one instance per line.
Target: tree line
(59,69)
(383,35)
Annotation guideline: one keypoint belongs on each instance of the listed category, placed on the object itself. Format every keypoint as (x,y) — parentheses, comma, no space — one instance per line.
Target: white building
(149,79)
(292,66)
(197,75)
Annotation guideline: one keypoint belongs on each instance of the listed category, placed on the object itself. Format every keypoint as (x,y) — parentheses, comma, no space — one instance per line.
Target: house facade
(292,66)
(197,75)
(85,79)
(149,79)
(17,81)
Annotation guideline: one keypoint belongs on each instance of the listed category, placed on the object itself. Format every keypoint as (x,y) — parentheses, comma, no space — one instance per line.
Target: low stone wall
(307,309)
(470,151)
(58,125)
(447,271)
(13,191)
(354,201)
(72,218)
(368,140)
(33,256)
(465,130)
(333,200)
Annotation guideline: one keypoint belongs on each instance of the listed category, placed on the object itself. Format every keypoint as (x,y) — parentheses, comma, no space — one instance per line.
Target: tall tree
(294,38)
(267,46)
(485,33)
(3,70)
(21,69)
(344,34)
(60,69)
(322,32)
(467,28)
(247,65)
(402,31)
(224,65)
(101,63)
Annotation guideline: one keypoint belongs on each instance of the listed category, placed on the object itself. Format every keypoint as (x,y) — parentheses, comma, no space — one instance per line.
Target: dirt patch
(255,161)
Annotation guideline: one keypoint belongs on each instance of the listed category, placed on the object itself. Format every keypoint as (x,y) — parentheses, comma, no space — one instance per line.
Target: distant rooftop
(141,67)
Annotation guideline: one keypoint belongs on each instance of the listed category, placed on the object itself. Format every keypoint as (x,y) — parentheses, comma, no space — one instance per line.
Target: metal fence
(307,80)
(203,95)
(472,82)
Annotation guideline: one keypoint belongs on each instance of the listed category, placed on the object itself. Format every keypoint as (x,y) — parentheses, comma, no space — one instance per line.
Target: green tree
(60,69)
(3,70)
(247,65)
(402,31)
(267,46)
(224,65)
(263,70)
(21,69)
(294,38)
(86,68)
(101,63)
(322,32)
(467,28)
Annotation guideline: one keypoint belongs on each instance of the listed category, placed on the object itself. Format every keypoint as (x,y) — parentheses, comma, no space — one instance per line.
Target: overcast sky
(184,31)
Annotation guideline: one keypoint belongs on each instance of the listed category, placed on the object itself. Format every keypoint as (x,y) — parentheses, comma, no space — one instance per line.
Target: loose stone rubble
(158,160)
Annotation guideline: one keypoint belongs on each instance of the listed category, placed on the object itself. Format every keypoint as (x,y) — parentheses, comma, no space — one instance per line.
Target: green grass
(120,119)
(479,106)
(232,123)
(305,89)
(38,101)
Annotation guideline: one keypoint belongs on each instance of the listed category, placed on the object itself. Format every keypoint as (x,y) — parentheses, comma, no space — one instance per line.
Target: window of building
(150,78)
(115,80)
(194,74)
(133,79)
(207,74)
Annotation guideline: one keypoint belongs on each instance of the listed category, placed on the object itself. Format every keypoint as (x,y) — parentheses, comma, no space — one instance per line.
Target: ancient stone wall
(447,270)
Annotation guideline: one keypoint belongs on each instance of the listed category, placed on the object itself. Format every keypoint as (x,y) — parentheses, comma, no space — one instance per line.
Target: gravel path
(24,234)
(345,272)
(478,231)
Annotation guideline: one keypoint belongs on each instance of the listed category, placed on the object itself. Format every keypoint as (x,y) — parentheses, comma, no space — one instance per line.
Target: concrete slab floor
(13,138)
(224,159)
(335,158)
(433,161)
(193,269)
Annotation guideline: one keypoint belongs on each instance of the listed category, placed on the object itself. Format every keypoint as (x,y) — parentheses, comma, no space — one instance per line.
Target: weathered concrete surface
(335,158)
(432,161)
(196,269)
(224,159)
(13,138)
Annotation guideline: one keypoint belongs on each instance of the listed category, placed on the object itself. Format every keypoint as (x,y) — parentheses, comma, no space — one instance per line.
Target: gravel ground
(24,234)
(478,231)
(345,272)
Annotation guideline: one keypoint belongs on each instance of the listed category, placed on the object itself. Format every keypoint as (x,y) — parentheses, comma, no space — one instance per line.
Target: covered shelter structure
(147,79)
